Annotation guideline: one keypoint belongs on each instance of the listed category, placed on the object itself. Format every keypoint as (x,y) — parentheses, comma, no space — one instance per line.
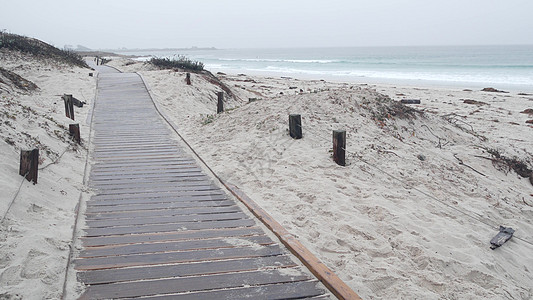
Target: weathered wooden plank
(143,200)
(170,236)
(175,257)
(188,284)
(185,269)
(102,186)
(158,194)
(165,219)
(173,161)
(146,148)
(168,227)
(163,179)
(147,145)
(158,189)
(133,158)
(162,212)
(145,175)
(158,206)
(184,168)
(162,165)
(288,290)
(221,243)
(119,144)
(140,152)
(148,170)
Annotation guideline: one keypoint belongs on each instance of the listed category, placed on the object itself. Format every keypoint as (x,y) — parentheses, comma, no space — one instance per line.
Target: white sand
(421,233)
(37,232)
(390,224)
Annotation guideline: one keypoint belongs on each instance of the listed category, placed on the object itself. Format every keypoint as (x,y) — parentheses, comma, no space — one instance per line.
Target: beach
(410,216)
(412,213)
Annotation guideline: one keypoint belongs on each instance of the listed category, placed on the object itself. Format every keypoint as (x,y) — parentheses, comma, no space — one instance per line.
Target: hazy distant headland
(158,49)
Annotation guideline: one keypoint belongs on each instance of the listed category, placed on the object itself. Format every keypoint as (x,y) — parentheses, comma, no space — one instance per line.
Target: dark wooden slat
(159,194)
(161,149)
(120,157)
(148,170)
(175,160)
(284,291)
(128,201)
(202,189)
(170,162)
(185,269)
(148,145)
(172,236)
(118,144)
(163,166)
(95,177)
(164,179)
(169,227)
(166,219)
(188,284)
(162,212)
(158,206)
(175,257)
(252,241)
(160,184)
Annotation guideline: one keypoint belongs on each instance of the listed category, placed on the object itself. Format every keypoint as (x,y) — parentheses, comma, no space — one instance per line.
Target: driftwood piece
(77,102)
(503,236)
(410,101)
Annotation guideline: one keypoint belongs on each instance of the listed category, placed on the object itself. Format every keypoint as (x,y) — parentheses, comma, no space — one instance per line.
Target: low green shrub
(177,62)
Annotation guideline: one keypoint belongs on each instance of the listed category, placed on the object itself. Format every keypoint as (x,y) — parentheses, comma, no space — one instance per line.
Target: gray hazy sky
(273,23)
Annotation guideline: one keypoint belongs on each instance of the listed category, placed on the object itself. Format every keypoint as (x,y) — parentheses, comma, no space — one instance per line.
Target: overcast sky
(274,23)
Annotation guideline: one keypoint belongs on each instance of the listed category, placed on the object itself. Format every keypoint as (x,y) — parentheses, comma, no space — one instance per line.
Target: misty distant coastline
(157,49)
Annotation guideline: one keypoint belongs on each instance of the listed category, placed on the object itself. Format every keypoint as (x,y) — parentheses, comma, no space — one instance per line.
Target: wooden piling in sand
(220,104)
(295,126)
(74,131)
(29,164)
(188,78)
(69,106)
(339,147)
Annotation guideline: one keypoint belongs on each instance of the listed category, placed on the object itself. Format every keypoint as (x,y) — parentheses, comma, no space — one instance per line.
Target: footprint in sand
(32,267)
(10,276)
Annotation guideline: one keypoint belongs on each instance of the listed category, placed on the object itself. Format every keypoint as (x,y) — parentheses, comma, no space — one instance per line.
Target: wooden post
(29,164)
(220,104)
(69,106)
(74,131)
(339,147)
(188,78)
(295,126)
(91,74)
(67,110)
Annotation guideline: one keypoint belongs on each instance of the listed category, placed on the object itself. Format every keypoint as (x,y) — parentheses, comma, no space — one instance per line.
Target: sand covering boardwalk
(158,227)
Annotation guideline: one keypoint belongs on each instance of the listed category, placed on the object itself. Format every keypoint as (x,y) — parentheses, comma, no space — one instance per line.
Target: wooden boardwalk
(158,228)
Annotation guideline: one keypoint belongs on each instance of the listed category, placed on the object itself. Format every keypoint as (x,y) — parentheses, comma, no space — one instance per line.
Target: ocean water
(503,67)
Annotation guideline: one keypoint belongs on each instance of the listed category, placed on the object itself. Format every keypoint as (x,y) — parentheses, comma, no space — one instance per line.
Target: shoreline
(412,83)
